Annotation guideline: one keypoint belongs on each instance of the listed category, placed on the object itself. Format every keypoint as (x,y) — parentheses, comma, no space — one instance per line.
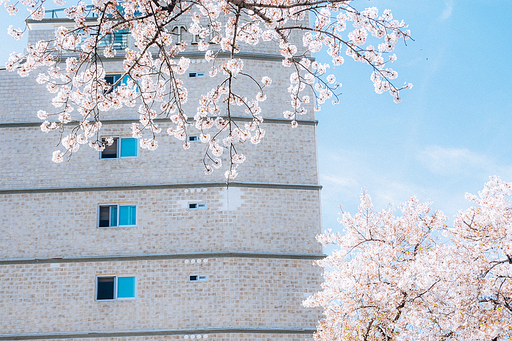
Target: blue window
(125,287)
(115,288)
(127,215)
(117,215)
(128,147)
(123,147)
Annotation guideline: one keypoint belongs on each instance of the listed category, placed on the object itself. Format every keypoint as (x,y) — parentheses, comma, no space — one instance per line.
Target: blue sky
(450,133)
(452,130)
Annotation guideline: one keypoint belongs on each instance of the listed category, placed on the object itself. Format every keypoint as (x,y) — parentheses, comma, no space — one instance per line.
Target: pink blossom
(153,69)
(16,33)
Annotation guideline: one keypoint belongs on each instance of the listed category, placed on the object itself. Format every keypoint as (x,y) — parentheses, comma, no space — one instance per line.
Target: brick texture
(240,292)
(284,156)
(236,219)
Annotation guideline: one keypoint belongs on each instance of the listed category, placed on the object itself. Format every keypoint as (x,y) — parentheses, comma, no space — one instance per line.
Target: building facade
(131,244)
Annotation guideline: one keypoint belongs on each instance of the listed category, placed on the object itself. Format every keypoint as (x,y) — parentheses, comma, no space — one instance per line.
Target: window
(197,206)
(196,75)
(113,79)
(198,278)
(121,148)
(117,215)
(115,288)
(193,138)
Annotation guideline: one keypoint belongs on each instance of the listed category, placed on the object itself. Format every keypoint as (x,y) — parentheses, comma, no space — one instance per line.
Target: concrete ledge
(306,187)
(158,332)
(160,120)
(192,255)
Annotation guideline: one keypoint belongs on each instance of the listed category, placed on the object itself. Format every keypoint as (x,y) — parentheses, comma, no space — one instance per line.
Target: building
(140,245)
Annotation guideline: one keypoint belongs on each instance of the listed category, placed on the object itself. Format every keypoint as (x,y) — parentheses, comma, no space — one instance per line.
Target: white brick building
(148,247)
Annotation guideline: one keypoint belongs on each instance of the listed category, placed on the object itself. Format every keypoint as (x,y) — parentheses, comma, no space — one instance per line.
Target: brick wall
(26,94)
(237,219)
(240,292)
(285,155)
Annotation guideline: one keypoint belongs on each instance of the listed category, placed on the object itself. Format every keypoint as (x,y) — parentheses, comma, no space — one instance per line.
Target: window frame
(197,74)
(118,150)
(124,80)
(135,282)
(200,205)
(200,278)
(117,218)
(116,78)
(119,40)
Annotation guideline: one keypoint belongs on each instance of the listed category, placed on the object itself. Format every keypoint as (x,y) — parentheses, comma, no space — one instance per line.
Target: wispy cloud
(340,181)
(461,161)
(447,161)
(350,172)
(448,10)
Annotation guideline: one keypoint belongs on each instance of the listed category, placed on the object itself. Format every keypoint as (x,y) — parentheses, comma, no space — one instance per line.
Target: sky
(451,132)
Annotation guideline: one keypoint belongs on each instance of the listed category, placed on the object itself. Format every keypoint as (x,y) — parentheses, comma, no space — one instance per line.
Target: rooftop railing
(60,14)
(118,40)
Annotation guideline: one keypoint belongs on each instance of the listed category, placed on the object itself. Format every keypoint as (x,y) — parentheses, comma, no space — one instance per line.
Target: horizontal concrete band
(159,120)
(163,186)
(192,255)
(274,57)
(160,332)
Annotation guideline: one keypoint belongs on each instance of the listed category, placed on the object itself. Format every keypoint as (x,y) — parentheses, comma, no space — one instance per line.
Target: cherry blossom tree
(397,278)
(71,65)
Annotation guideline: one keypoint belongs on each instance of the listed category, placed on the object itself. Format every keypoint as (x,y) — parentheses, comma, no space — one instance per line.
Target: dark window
(111,79)
(110,152)
(105,215)
(105,288)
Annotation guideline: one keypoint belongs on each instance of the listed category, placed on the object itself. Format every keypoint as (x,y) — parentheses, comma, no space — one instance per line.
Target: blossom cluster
(395,277)
(72,64)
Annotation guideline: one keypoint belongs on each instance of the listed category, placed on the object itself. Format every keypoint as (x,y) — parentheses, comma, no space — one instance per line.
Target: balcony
(60,14)
(119,40)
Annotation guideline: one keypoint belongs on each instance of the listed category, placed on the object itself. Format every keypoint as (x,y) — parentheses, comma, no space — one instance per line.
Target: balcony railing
(118,40)
(59,13)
